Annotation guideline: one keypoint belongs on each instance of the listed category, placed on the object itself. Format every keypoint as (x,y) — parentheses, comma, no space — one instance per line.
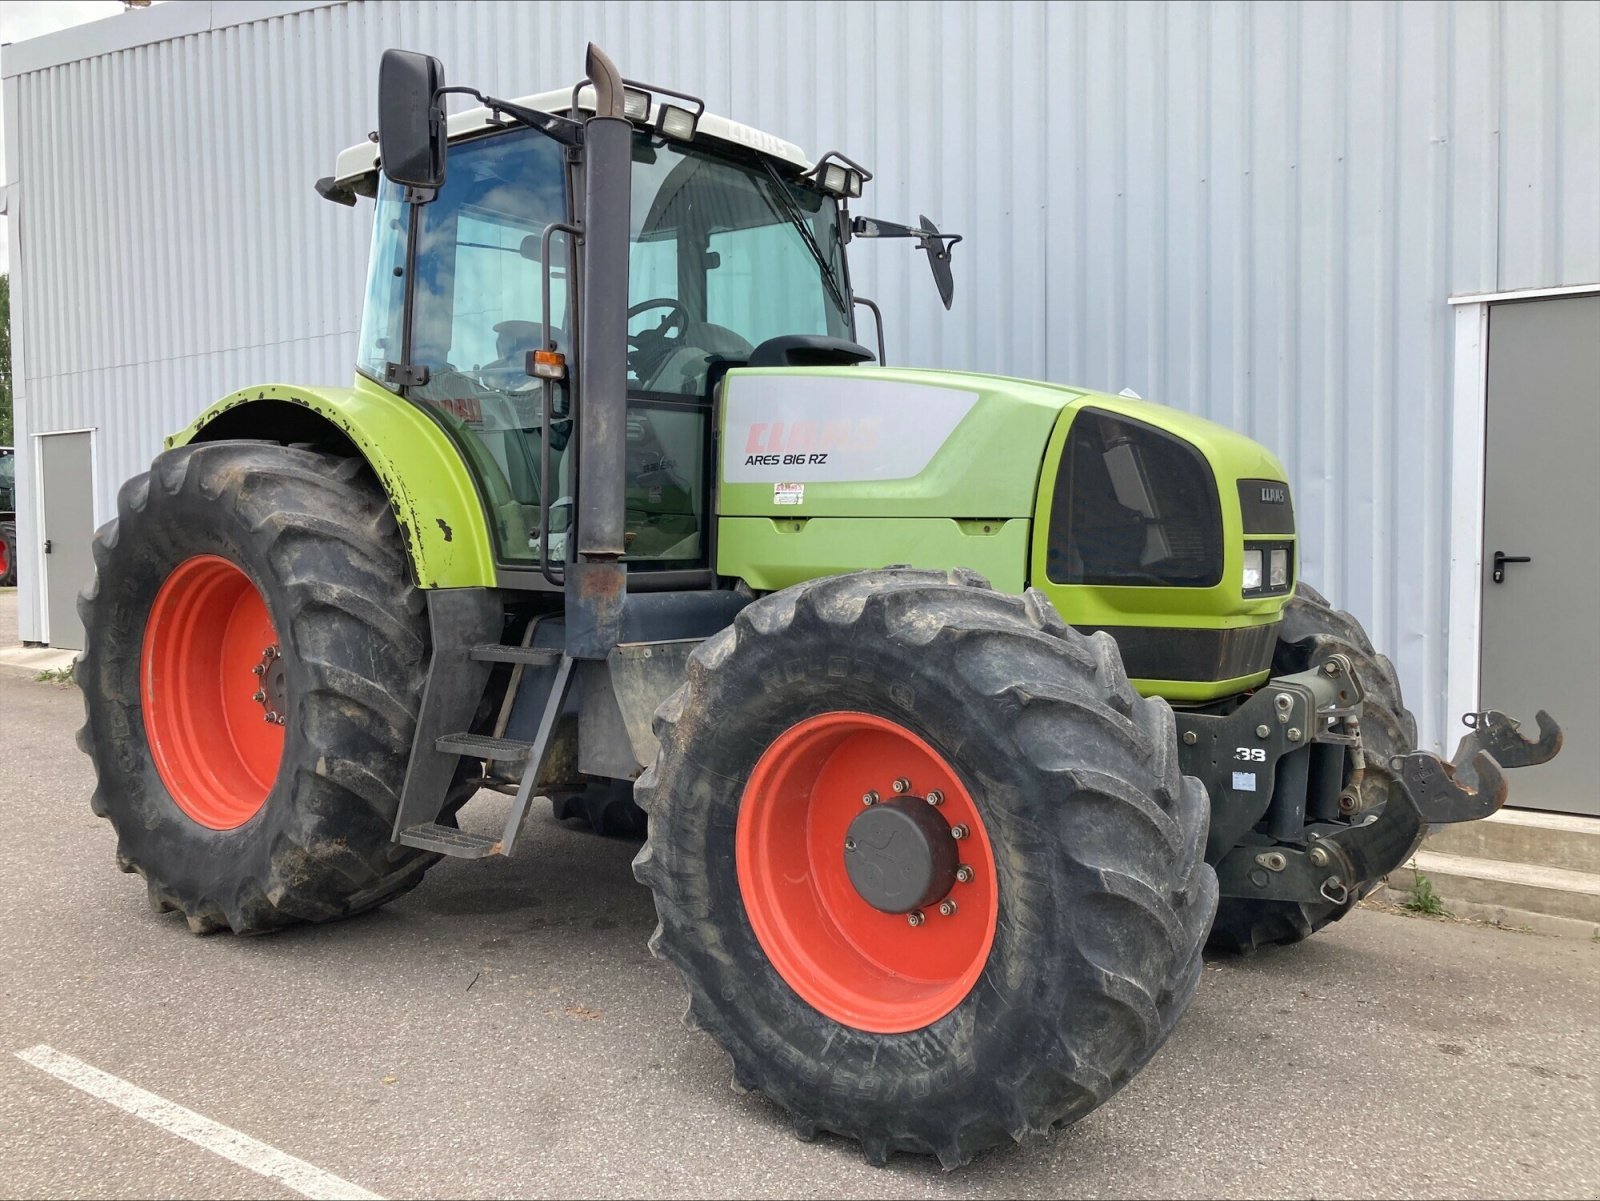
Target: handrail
(547,400)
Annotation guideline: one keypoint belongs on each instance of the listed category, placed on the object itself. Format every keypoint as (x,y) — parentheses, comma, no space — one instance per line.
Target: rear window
(1135,506)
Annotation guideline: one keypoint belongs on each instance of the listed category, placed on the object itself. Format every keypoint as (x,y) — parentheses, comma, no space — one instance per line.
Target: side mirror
(411,123)
(938,248)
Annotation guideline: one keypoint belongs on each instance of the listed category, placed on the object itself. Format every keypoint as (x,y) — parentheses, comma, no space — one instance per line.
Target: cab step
(532,656)
(481,746)
(447,840)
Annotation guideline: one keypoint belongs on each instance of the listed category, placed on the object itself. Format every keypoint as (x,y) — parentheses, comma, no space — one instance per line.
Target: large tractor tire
(924,861)
(254,658)
(8,554)
(1313,629)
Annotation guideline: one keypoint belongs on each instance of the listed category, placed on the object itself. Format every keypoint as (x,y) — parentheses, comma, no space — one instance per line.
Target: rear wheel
(253,664)
(8,554)
(1312,630)
(924,861)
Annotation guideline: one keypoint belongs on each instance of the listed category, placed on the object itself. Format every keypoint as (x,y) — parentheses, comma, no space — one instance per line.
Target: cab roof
(362,159)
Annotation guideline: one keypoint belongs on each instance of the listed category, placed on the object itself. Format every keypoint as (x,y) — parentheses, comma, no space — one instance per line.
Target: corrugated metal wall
(1251,210)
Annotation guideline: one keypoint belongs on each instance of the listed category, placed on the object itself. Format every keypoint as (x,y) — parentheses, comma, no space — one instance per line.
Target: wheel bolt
(947,907)
(959,831)
(915,917)
(849,844)
(259,670)
(269,718)
(869,798)
(258,697)
(964,874)
(902,785)
(935,797)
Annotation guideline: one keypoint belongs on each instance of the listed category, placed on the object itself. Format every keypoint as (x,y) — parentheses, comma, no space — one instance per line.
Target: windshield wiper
(797,218)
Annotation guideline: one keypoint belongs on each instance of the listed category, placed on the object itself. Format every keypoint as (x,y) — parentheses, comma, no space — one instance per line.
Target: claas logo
(780,443)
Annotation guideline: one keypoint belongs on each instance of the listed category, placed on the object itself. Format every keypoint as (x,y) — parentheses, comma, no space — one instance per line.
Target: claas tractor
(962,711)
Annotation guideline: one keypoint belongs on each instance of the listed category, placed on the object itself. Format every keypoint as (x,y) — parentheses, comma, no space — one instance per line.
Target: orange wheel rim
(884,972)
(212,690)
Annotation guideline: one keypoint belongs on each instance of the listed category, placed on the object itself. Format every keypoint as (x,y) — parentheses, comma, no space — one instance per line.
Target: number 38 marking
(1251,754)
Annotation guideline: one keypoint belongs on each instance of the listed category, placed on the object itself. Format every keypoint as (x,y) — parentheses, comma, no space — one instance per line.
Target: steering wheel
(650,348)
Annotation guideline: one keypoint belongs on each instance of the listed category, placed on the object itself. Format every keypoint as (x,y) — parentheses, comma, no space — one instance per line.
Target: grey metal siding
(1255,211)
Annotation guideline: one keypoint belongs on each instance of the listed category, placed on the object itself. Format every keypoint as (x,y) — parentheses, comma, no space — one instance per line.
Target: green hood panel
(990,441)
(988,464)
(434,500)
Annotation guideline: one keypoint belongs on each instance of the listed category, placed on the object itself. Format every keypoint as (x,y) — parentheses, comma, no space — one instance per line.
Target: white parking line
(292,1173)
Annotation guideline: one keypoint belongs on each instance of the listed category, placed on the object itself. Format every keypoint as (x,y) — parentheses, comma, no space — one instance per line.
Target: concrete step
(1558,840)
(1511,893)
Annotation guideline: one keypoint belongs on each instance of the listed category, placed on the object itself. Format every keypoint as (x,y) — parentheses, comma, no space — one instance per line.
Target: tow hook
(1473,784)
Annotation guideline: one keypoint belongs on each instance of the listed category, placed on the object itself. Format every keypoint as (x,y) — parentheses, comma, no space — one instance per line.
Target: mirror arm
(563,130)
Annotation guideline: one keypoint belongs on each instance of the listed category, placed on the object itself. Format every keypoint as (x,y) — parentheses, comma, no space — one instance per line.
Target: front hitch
(1473,785)
(1340,862)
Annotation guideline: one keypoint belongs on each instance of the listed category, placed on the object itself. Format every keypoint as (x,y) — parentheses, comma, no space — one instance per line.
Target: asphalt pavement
(503,1031)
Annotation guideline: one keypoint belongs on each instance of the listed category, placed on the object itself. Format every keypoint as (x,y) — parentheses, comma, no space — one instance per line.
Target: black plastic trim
(1266,507)
(1174,653)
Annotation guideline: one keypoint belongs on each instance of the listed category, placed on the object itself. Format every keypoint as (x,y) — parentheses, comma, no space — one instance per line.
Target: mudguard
(427,481)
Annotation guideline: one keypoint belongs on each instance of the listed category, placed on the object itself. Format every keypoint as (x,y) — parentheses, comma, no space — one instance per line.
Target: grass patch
(55,675)
(1420,896)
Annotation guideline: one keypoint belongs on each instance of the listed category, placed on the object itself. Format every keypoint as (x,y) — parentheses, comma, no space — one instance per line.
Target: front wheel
(924,861)
(253,665)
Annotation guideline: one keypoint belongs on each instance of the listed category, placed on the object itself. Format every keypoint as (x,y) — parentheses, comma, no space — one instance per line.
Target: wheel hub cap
(900,855)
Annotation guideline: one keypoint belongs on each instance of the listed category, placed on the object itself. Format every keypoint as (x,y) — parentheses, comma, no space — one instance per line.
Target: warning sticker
(1244,781)
(788,494)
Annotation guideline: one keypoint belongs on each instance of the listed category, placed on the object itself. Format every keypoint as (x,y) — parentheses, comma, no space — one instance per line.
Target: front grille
(1133,506)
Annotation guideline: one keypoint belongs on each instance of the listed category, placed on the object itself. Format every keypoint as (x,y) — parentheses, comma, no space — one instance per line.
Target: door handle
(47,546)
(1500,561)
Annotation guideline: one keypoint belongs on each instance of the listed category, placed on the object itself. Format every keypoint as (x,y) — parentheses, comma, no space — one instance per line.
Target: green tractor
(954,701)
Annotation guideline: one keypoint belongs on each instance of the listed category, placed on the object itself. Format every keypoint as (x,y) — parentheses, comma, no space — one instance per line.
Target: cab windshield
(724,254)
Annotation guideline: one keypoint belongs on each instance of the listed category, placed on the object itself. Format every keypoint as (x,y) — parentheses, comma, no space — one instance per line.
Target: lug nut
(259,670)
(964,874)
(947,907)
(270,652)
(269,718)
(959,831)
(1262,731)
(869,798)
(1190,738)
(935,797)
(902,785)
(849,844)
(915,917)
(258,697)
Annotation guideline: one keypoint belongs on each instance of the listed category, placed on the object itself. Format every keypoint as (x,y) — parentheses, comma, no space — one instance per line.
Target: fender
(427,481)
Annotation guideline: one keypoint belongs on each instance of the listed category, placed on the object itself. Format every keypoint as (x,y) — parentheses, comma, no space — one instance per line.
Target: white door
(1541,539)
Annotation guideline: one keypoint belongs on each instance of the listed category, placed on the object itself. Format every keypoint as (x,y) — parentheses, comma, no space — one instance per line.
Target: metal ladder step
(480,746)
(536,656)
(447,840)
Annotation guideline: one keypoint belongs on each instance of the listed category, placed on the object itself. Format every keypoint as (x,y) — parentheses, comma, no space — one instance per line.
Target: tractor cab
(735,255)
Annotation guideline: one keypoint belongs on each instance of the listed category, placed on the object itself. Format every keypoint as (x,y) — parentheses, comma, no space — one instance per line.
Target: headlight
(1278,568)
(1252,570)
